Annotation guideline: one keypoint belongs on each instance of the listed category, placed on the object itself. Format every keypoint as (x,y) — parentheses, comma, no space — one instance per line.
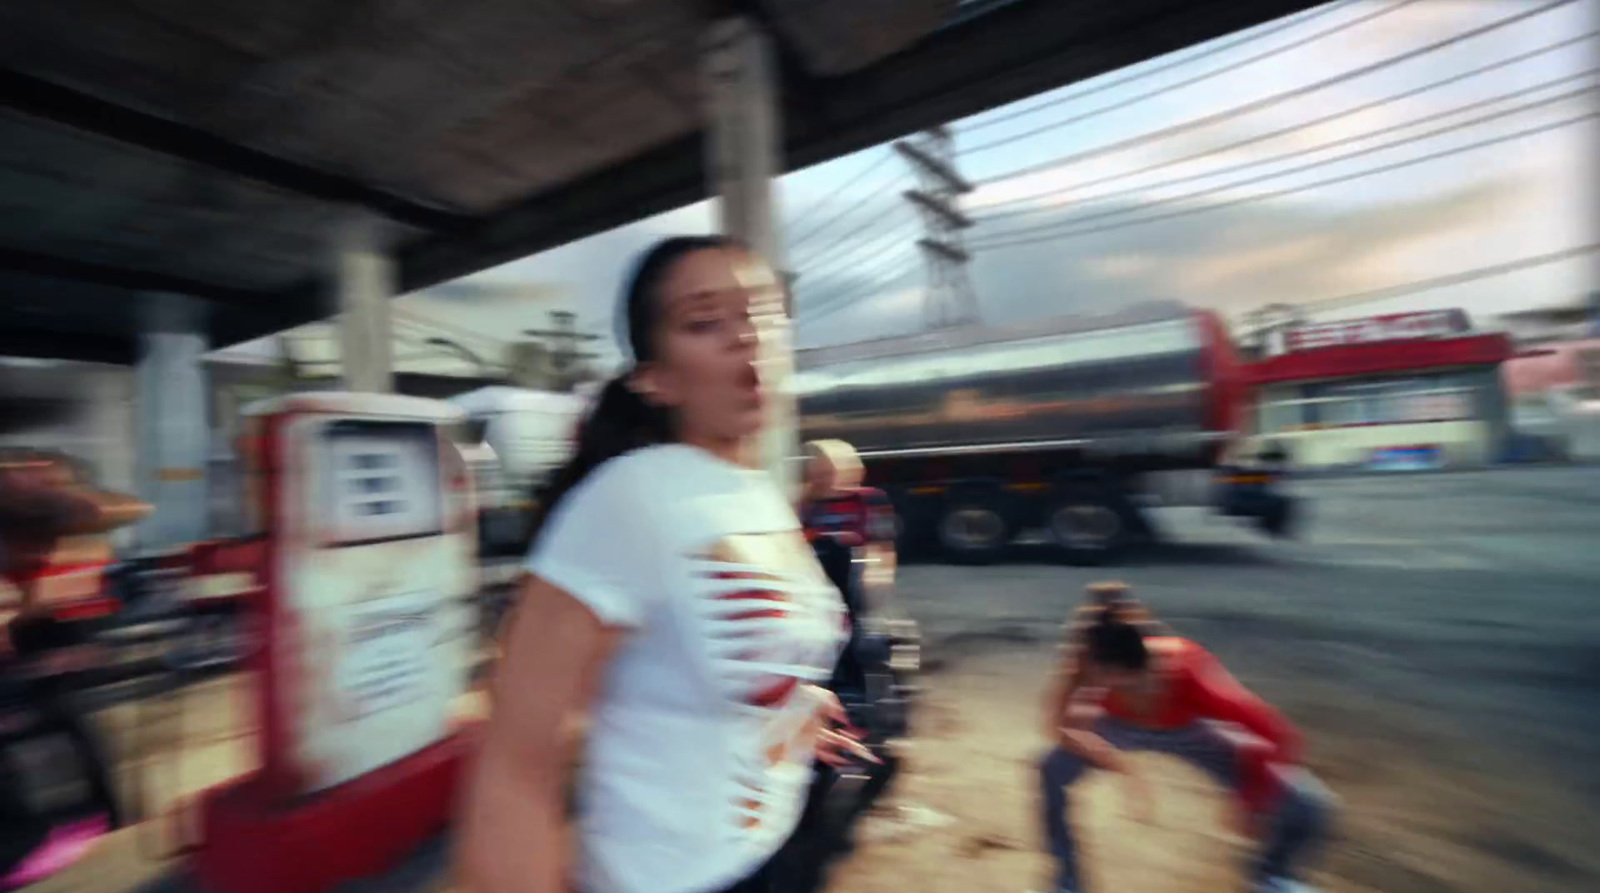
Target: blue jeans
(1298,822)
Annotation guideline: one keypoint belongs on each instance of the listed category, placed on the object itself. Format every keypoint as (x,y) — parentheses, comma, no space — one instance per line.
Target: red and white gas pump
(366,639)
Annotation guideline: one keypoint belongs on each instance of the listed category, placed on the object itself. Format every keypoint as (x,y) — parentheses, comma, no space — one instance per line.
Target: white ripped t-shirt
(700,740)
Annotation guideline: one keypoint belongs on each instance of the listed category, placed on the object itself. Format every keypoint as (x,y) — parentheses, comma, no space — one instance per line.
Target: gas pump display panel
(378,597)
(385,482)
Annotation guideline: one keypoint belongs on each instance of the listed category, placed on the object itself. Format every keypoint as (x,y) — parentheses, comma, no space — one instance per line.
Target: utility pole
(949,299)
(564,339)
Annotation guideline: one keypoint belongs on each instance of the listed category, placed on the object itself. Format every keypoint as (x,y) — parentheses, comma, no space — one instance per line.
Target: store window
(1440,397)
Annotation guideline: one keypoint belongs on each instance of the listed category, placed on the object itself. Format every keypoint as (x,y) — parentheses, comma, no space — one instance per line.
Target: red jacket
(854,517)
(1200,689)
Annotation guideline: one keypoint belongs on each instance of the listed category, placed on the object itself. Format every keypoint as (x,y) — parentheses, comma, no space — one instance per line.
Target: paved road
(1465,602)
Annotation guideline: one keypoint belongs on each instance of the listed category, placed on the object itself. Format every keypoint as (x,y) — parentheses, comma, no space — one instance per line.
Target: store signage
(1406,458)
(1374,329)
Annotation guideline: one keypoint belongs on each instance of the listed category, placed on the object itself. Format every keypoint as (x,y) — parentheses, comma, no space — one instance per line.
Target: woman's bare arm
(513,827)
(1076,733)
(1070,719)
(1064,684)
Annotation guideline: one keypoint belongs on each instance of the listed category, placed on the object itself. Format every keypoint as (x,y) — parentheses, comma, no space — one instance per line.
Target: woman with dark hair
(1126,683)
(674,607)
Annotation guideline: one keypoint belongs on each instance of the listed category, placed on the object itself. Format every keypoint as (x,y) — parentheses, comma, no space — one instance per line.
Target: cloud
(1240,257)
(888,312)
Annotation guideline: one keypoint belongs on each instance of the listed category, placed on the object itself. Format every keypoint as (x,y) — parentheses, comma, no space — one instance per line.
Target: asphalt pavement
(1452,616)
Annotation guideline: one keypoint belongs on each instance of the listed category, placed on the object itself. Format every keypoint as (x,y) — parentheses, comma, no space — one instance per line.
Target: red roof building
(1399,391)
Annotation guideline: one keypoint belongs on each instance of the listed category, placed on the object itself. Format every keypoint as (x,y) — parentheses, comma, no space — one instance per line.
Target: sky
(848,234)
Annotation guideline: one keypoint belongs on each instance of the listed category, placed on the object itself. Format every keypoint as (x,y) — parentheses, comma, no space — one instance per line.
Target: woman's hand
(838,742)
(1100,753)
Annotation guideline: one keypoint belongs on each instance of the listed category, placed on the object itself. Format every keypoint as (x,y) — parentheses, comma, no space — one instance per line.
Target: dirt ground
(1434,637)
(1408,824)
(1419,814)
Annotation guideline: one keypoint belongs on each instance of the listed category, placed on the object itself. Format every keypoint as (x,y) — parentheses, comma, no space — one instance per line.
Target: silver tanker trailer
(1069,426)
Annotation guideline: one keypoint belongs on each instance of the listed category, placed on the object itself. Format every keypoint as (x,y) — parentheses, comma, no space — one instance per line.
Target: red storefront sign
(1374,329)
(1352,360)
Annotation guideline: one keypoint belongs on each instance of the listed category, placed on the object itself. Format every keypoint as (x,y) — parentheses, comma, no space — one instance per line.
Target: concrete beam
(68,270)
(45,344)
(1008,52)
(51,102)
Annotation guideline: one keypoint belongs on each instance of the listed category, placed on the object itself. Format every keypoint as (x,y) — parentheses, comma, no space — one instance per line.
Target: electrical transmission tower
(949,299)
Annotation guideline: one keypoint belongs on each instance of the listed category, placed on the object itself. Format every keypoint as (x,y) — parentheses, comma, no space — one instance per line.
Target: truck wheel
(1277,518)
(912,527)
(972,530)
(1089,525)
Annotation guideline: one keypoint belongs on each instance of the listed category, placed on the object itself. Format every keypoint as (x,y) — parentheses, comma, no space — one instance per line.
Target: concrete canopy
(209,147)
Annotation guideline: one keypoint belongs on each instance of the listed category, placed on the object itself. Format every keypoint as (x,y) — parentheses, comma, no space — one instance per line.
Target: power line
(859,298)
(1283,97)
(840,266)
(875,264)
(839,300)
(843,215)
(1393,291)
(867,224)
(869,279)
(1309,150)
(883,261)
(1274,100)
(815,231)
(1222,47)
(821,203)
(1151,94)
(1457,278)
(894,229)
(1265,196)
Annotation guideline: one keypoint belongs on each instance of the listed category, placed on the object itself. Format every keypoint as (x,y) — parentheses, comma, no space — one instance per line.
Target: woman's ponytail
(1113,621)
(619,422)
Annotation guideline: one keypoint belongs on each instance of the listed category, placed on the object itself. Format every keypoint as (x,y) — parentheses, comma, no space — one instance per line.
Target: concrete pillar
(172,424)
(365,280)
(744,159)
(1494,409)
(114,421)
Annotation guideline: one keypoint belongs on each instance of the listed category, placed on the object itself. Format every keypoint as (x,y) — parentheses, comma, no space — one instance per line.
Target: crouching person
(1126,684)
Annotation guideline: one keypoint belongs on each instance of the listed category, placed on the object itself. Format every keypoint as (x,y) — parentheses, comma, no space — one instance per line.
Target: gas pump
(365,640)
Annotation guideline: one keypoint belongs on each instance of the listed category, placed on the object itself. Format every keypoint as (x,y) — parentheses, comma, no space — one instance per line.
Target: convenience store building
(1399,391)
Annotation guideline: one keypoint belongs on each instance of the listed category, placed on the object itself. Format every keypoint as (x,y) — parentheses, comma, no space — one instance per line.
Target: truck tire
(913,527)
(973,528)
(1090,523)
(1278,517)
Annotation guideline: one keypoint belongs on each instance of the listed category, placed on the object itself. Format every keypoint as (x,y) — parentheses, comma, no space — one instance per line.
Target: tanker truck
(1073,427)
